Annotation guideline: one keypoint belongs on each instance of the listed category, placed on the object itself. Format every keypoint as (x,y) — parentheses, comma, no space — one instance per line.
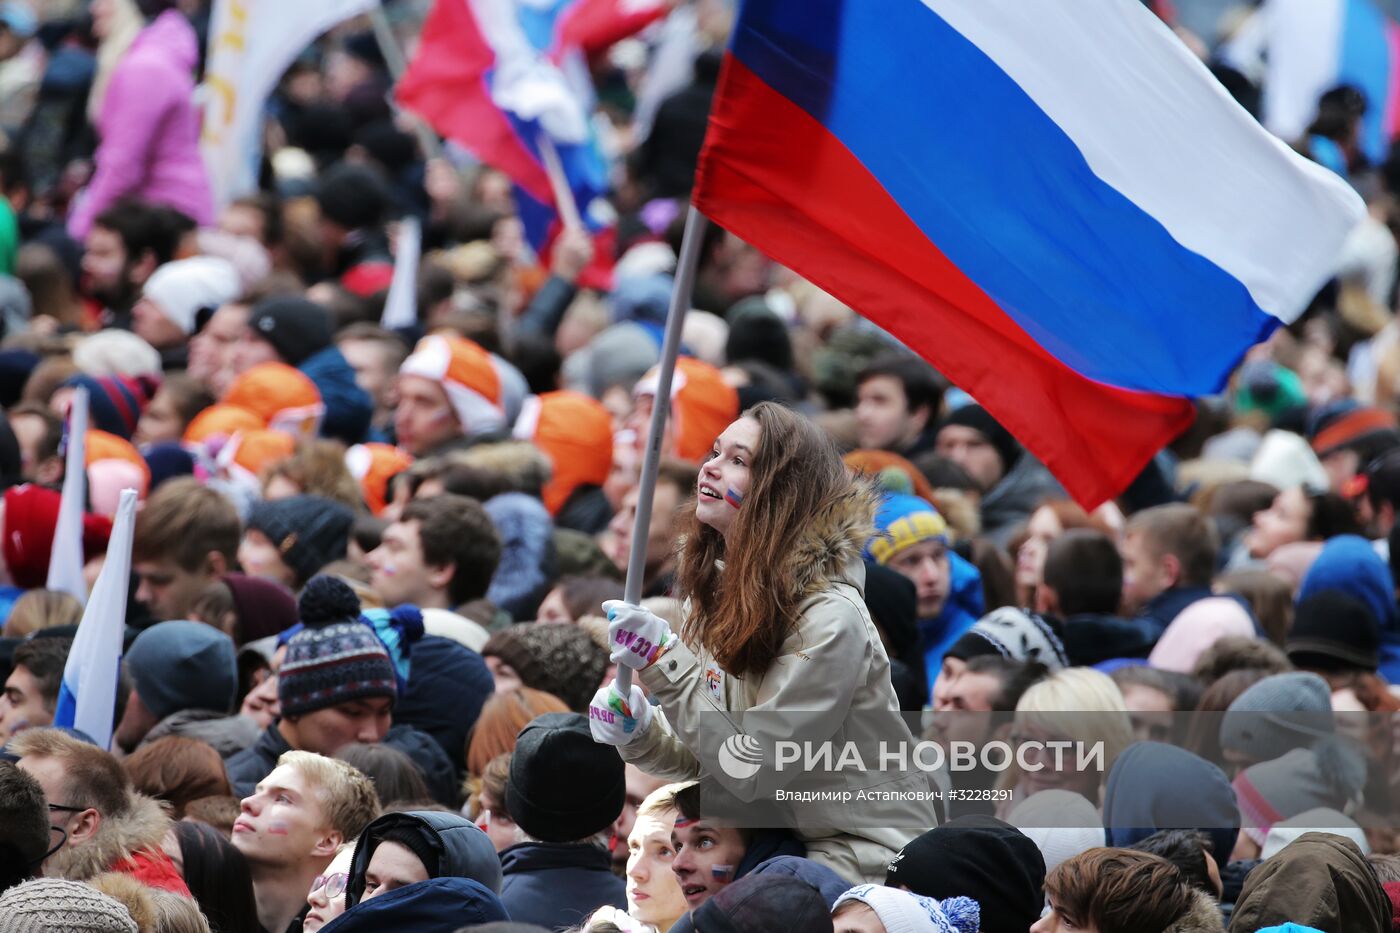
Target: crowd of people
(375,623)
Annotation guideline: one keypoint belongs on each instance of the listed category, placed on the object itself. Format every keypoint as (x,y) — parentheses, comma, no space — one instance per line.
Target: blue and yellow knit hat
(902,522)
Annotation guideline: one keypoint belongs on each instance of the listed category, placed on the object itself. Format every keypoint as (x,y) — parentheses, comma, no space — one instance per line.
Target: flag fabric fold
(492,75)
(1056,205)
(66,556)
(87,696)
(251,44)
(401,305)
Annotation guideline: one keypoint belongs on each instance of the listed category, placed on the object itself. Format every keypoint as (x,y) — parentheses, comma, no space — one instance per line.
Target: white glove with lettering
(617,721)
(637,636)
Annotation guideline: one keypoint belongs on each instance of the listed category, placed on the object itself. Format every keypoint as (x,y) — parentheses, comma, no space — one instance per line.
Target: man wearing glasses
(108,825)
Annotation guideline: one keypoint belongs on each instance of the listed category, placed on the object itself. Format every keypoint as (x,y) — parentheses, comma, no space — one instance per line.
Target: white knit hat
(1061,823)
(55,904)
(181,288)
(904,912)
(1317,820)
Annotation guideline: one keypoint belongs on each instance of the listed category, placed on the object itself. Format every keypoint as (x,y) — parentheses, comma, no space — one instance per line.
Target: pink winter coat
(150,129)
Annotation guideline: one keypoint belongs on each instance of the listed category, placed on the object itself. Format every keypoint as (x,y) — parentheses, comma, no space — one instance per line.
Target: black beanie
(757,333)
(416,840)
(1333,631)
(563,786)
(980,857)
(296,328)
(975,416)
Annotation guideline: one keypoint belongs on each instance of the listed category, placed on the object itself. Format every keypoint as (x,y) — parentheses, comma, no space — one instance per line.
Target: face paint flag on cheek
(733,497)
(723,873)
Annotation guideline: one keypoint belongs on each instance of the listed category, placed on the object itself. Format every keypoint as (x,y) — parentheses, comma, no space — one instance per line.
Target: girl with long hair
(775,622)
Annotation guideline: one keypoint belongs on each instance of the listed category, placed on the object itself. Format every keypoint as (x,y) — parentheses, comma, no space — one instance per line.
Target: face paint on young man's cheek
(724,873)
(277,828)
(734,497)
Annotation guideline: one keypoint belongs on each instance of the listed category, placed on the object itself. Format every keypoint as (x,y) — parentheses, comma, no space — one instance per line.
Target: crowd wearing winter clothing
(369,673)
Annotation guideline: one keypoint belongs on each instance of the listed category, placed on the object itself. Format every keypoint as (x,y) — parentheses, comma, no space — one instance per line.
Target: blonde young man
(293,824)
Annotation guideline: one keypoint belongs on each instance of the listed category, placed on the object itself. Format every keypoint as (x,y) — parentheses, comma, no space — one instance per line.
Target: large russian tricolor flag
(1053,203)
(1315,45)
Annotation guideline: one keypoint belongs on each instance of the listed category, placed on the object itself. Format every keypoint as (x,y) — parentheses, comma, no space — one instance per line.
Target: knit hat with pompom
(336,658)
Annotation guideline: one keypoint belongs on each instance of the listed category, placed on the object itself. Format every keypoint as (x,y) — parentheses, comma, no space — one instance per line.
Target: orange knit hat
(219,423)
(282,396)
(702,405)
(373,465)
(875,463)
(113,464)
(248,452)
(575,432)
(468,376)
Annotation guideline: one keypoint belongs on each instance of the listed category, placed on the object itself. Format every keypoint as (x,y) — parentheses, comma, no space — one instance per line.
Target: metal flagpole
(397,65)
(695,225)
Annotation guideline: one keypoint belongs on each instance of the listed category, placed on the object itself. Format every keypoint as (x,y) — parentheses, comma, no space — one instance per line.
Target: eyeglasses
(334,884)
(64,808)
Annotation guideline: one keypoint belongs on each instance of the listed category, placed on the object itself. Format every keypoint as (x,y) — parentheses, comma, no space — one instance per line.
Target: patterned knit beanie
(55,904)
(336,658)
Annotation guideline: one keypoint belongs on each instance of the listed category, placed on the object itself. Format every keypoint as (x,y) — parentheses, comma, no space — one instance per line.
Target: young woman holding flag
(771,574)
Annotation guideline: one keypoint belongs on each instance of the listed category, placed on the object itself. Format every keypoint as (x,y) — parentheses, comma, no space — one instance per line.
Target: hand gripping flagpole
(396,63)
(695,224)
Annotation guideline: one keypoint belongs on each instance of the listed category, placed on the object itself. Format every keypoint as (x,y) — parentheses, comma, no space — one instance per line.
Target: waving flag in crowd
(1311,46)
(1011,189)
(87,696)
(491,76)
(66,557)
(251,43)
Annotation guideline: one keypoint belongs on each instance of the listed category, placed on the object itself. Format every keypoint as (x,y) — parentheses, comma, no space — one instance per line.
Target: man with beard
(127,243)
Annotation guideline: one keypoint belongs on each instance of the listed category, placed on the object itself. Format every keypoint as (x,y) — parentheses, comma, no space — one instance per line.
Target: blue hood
(1350,565)
(1155,786)
(961,611)
(348,407)
(441,905)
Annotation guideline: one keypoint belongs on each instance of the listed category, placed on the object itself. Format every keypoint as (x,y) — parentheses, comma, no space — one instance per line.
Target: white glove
(637,635)
(615,721)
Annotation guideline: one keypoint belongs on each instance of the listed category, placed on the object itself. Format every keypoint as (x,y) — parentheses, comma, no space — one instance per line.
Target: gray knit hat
(1278,714)
(53,904)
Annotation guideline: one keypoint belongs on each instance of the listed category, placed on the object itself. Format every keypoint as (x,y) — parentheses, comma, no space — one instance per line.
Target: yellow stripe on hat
(905,532)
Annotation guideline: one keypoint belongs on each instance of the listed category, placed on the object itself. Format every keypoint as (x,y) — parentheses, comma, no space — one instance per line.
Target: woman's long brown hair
(742,612)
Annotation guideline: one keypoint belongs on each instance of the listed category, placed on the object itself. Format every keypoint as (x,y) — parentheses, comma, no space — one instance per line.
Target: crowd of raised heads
(369,677)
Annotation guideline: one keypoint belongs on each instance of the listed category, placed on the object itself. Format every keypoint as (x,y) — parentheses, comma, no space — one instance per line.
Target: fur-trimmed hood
(143,826)
(1203,917)
(831,543)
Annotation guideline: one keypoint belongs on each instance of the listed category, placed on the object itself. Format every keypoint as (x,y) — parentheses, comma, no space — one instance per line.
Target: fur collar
(1203,917)
(831,541)
(143,826)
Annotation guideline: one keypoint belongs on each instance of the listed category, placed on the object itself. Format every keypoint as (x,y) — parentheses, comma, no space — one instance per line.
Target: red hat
(31,515)
(575,432)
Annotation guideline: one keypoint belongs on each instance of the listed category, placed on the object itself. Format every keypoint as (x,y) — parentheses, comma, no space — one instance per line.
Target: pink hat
(1195,629)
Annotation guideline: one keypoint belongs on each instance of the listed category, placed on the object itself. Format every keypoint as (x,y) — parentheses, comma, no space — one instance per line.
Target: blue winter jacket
(963,607)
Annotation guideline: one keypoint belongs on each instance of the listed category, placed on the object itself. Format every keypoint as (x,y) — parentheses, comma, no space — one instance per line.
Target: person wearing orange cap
(284,398)
(373,466)
(217,423)
(113,464)
(575,432)
(702,405)
(449,397)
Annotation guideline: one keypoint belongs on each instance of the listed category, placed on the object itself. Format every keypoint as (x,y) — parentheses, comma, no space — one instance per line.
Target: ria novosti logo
(741,756)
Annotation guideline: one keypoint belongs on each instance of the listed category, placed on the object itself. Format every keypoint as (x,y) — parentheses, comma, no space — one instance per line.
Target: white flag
(251,44)
(66,558)
(401,307)
(87,697)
